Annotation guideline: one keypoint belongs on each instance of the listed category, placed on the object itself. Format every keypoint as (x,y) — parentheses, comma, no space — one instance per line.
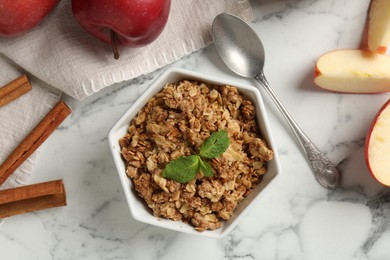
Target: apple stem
(114,44)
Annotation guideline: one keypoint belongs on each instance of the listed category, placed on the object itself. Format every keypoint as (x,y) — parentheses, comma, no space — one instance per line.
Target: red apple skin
(136,23)
(381,49)
(366,148)
(317,72)
(20,16)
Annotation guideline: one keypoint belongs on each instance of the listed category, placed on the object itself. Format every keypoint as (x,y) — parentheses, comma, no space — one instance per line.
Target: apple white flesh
(353,71)
(379,26)
(378,146)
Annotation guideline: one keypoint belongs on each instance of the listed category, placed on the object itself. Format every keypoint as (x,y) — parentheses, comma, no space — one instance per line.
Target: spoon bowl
(242,51)
(242,54)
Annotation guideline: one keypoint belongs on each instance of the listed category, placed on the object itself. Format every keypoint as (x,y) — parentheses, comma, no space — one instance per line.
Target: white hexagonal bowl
(138,207)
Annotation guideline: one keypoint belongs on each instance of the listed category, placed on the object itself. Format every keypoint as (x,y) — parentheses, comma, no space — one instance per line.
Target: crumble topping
(175,122)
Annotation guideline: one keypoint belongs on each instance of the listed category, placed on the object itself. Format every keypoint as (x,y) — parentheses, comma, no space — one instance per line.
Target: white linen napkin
(59,53)
(19,117)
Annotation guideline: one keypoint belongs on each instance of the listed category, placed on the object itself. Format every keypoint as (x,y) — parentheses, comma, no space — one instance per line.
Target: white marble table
(298,219)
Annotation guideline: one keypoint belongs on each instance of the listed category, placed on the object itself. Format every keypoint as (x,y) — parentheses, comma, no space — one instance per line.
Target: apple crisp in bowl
(170,124)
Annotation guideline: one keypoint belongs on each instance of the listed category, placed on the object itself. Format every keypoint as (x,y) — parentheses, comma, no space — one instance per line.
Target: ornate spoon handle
(324,171)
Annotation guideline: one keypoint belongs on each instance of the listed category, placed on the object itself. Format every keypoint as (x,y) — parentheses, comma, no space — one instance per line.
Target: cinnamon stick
(34,139)
(14,89)
(32,197)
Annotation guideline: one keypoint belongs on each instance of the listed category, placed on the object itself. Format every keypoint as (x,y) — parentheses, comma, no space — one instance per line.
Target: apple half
(377,146)
(379,26)
(353,71)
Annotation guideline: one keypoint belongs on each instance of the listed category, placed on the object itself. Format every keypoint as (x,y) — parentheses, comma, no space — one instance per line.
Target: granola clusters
(174,123)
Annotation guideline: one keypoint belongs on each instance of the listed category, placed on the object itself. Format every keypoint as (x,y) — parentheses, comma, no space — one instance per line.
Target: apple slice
(377,147)
(379,26)
(353,71)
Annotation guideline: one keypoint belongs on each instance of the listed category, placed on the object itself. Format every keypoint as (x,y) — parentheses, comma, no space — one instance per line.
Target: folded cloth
(19,117)
(62,54)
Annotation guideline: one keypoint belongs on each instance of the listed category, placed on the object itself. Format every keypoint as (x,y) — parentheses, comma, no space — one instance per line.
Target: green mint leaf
(205,168)
(182,169)
(215,145)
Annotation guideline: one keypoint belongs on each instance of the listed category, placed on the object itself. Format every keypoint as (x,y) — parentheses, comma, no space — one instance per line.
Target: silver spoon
(243,52)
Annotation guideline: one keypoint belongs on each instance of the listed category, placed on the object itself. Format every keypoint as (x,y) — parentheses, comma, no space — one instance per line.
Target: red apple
(377,147)
(19,16)
(134,23)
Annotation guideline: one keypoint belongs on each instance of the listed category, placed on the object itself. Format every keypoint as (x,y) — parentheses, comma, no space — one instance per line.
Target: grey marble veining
(298,219)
